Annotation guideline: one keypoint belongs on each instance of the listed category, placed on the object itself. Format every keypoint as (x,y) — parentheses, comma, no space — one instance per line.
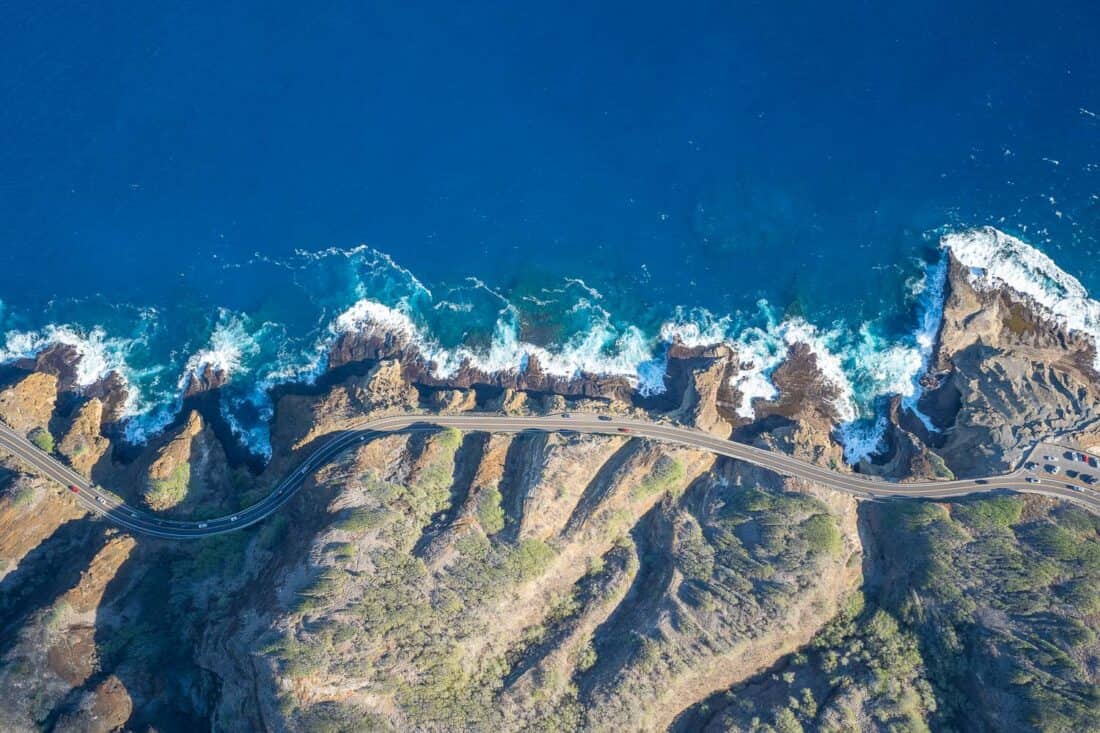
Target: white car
(202,525)
(233,518)
(1032,480)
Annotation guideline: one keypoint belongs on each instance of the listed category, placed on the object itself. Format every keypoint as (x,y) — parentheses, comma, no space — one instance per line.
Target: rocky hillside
(464,581)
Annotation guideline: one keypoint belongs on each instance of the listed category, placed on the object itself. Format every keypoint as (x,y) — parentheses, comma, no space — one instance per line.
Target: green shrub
(322,591)
(666,474)
(42,439)
(489,511)
(822,534)
(24,495)
(169,492)
(272,531)
(362,518)
(999,512)
(449,439)
(528,559)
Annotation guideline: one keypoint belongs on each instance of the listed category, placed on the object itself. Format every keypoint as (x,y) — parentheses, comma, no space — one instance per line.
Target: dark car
(1088,478)
(605,418)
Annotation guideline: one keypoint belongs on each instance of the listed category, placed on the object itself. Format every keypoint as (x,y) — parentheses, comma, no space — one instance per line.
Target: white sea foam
(862,438)
(99,354)
(230,345)
(930,317)
(863,365)
(996,259)
(368,316)
(696,327)
(600,350)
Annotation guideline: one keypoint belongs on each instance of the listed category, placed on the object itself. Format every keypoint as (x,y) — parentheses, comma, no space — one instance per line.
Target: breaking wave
(570,329)
(996,259)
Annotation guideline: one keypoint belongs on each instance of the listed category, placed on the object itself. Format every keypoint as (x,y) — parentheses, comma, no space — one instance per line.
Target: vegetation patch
(667,473)
(822,534)
(489,511)
(43,439)
(1000,597)
(171,491)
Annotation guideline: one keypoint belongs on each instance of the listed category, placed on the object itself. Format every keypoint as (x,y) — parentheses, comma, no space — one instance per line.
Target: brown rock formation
(30,402)
(301,418)
(207,380)
(189,467)
(1006,377)
(702,378)
(82,444)
(113,392)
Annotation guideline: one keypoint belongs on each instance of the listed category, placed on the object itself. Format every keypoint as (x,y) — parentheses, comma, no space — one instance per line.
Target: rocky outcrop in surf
(1007,372)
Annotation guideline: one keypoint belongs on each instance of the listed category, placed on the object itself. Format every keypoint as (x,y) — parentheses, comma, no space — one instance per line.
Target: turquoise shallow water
(179,188)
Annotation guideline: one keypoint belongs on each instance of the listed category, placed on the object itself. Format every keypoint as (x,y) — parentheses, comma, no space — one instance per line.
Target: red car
(624,430)
(74,489)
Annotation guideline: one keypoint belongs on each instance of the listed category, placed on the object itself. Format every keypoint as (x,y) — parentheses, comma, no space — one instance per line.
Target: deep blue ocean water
(180,185)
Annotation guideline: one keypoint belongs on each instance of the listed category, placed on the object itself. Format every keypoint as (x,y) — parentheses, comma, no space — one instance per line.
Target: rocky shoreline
(994,349)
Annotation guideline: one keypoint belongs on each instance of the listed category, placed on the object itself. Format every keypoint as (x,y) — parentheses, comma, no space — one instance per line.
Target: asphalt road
(138,522)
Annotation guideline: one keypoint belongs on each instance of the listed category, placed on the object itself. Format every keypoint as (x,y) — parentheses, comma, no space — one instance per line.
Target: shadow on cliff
(144,637)
(618,639)
(467,459)
(46,573)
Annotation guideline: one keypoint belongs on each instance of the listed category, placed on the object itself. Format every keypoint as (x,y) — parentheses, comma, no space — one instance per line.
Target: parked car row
(1082,457)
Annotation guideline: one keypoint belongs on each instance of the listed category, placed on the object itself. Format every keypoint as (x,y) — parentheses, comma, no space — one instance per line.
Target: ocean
(181,186)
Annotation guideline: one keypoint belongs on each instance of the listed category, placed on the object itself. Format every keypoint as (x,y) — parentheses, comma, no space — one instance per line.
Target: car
(1032,480)
(624,430)
(101,500)
(1050,468)
(1048,458)
(605,418)
(1031,465)
(1088,478)
(566,414)
(203,525)
(233,518)
(1082,457)
(133,514)
(981,481)
(1092,462)
(1069,455)
(1071,473)
(73,488)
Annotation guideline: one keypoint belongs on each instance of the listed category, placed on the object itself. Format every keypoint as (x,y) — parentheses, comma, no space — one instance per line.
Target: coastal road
(111,508)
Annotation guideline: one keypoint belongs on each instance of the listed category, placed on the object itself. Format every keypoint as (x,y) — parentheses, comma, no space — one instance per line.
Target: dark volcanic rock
(113,393)
(209,379)
(372,346)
